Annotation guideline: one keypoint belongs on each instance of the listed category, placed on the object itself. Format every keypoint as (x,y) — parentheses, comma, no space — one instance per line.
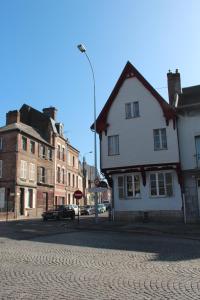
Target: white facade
(188,128)
(136,144)
(135,155)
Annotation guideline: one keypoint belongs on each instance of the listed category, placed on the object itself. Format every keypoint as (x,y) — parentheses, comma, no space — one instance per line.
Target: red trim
(128,72)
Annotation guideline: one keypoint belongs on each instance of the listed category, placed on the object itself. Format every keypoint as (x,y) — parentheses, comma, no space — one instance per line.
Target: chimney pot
(174,85)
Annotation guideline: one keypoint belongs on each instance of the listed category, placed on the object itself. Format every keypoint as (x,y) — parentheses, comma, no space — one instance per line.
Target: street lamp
(82,49)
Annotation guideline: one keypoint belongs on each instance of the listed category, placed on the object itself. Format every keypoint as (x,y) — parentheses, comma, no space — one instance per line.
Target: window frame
(158,187)
(124,189)
(116,145)
(1,168)
(1,143)
(162,142)
(23,169)
(24,139)
(132,110)
(31,172)
(32,143)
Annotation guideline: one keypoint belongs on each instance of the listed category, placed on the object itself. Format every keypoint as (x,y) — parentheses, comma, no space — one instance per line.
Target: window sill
(160,149)
(113,154)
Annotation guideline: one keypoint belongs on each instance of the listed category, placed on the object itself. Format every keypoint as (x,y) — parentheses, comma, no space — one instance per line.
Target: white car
(74,207)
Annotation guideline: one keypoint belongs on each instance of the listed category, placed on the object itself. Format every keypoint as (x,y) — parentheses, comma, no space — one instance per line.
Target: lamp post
(82,49)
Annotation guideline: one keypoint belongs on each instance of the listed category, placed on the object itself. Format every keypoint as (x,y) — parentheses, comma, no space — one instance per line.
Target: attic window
(132,110)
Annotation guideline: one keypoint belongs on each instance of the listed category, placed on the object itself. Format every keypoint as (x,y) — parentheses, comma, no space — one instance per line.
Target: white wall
(136,144)
(146,202)
(188,128)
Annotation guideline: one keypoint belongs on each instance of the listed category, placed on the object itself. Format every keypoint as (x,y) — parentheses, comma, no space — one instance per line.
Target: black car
(61,212)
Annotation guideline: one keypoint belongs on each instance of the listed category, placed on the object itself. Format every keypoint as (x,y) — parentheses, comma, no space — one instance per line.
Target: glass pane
(156,139)
(136,109)
(164,138)
(129,186)
(161,184)
(137,185)
(120,181)
(128,110)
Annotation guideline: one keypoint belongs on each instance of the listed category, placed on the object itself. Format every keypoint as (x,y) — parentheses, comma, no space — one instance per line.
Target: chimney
(50,112)
(13,116)
(174,85)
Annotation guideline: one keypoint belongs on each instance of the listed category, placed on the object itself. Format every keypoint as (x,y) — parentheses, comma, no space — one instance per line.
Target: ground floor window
(129,186)
(30,198)
(2,198)
(161,184)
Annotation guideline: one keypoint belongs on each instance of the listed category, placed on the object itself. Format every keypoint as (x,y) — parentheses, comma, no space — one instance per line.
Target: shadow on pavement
(69,233)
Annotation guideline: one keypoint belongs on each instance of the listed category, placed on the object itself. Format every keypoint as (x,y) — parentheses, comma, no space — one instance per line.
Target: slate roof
(24,128)
(189,95)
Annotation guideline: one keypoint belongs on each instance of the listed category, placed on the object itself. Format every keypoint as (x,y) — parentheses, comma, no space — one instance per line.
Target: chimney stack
(50,112)
(174,85)
(13,116)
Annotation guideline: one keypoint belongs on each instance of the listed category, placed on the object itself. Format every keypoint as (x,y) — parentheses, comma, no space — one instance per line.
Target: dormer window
(132,110)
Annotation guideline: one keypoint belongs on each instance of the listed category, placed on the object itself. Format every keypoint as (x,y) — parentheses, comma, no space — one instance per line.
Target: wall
(136,144)
(146,202)
(188,128)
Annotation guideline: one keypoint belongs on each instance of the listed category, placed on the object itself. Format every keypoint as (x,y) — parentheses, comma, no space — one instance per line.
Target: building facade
(139,152)
(186,101)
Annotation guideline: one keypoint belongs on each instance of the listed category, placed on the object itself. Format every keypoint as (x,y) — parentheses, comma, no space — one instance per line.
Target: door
(197,142)
(21,205)
(45,201)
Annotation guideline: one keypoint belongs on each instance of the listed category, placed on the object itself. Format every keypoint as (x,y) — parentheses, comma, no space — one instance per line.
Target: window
(42,151)
(63,175)
(23,169)
(2,198)
(69,198)
(42,174)
(73,180)
(49,153)
(1,143)
(132,110)
(31,172)
(160,139)
(24,143)
(32,147)
(113,145)
(129,186)
(1,168)
(73,159)
(58,152)
(121,187)
(69,179)
(77,181)
(30,198)
(63,153)
(161,184)
(58,174)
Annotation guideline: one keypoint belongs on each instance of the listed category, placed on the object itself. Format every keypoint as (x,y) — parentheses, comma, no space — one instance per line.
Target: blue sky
(41,66)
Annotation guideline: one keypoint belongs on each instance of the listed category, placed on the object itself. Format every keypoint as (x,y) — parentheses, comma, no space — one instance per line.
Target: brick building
(33,164)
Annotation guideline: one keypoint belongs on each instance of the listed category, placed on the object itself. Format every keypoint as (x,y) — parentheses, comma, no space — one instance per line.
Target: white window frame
(1,168)
(123,187)
(157,185)
(113,145)
(131,111)
(2,198)
(23,169)
(162,141)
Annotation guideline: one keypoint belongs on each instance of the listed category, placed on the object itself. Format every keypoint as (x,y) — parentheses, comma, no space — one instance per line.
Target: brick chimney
(174,85)
(50,112)
(13,116)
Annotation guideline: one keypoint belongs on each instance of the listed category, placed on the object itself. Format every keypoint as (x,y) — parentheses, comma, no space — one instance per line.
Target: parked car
(87,210)
(107,204)
(74,207)
(101,208)
(61,212)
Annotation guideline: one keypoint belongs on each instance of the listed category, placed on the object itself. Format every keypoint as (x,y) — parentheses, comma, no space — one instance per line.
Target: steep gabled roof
(128,72)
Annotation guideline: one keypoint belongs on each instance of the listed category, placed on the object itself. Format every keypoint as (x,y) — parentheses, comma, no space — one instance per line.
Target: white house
(187,103)
(139,151)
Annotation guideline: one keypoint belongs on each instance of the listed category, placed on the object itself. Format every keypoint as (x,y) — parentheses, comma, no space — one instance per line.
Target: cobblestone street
(99,265)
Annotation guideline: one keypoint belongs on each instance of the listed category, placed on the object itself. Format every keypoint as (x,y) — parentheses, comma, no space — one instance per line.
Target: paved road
(99,265)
